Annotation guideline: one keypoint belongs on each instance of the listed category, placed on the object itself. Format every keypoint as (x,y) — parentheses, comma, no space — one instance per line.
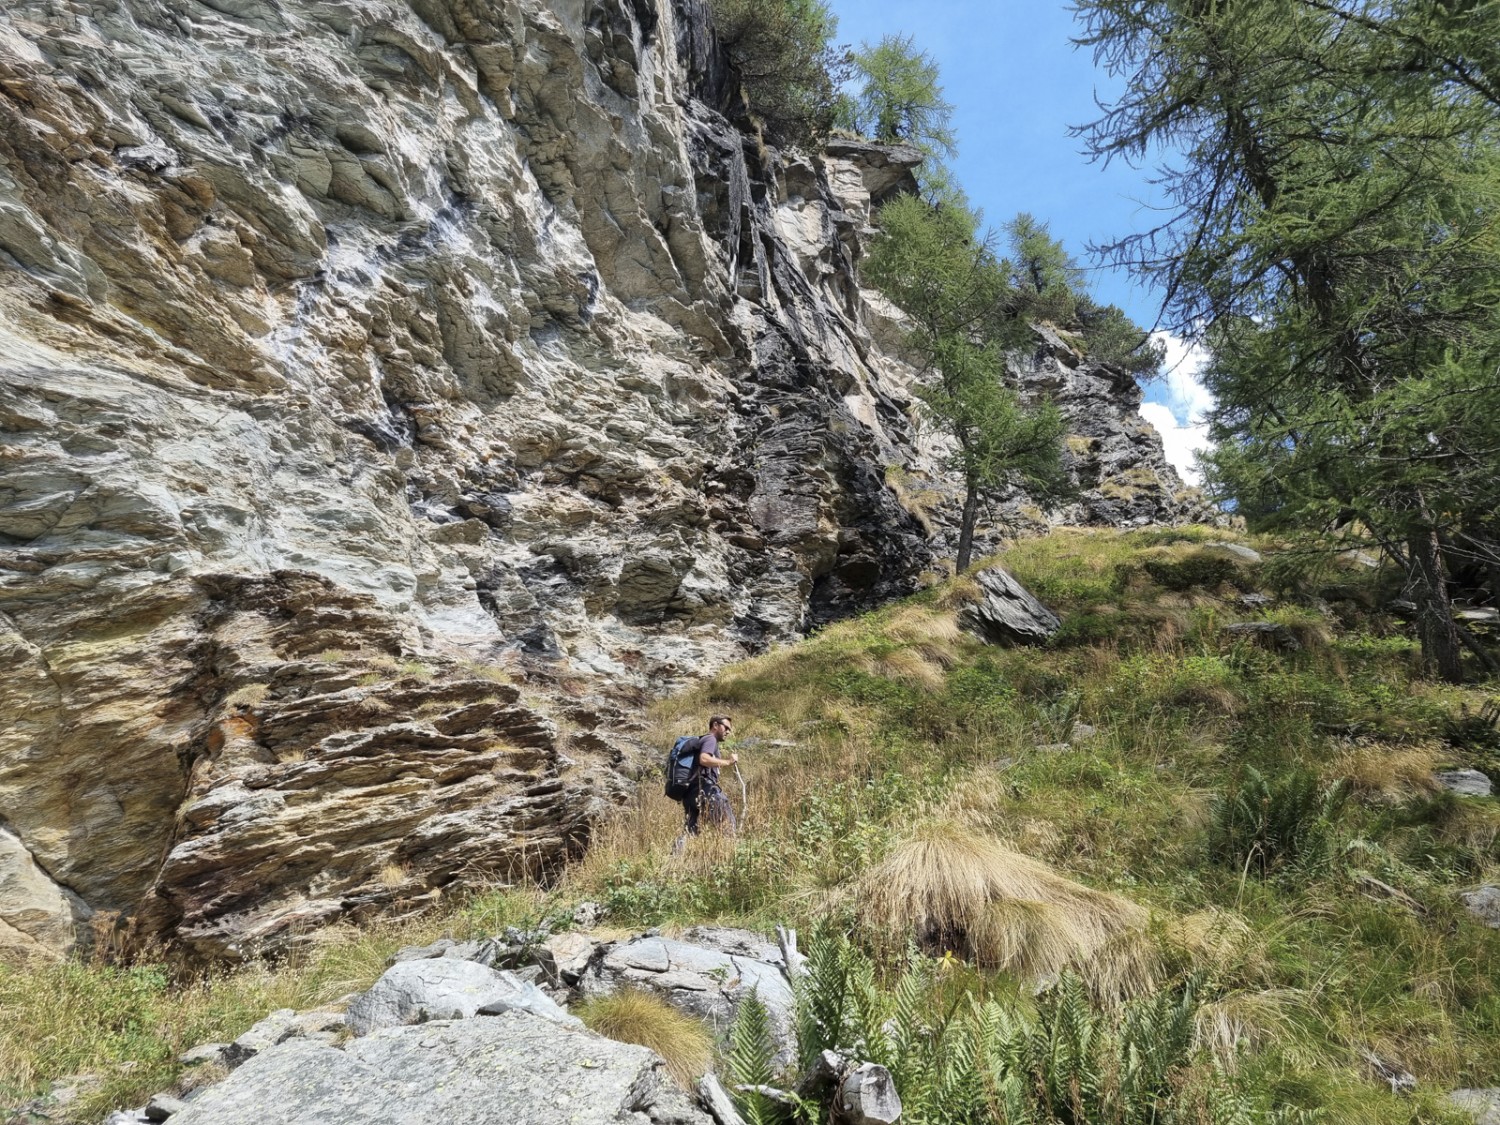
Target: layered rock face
(363,361)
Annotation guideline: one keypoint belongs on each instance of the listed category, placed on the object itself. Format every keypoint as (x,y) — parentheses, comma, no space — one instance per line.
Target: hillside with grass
(1166,868)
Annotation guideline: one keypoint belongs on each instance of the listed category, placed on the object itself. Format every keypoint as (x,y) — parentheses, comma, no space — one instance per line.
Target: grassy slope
(879,729)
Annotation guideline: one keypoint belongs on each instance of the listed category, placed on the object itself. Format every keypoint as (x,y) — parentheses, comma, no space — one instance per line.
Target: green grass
(900,721)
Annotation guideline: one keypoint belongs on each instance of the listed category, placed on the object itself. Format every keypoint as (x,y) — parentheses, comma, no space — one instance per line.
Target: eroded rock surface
(513,1067)
(380,381)
(708,974)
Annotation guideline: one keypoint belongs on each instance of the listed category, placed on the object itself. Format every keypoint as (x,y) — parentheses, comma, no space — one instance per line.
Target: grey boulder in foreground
(445,988)
(513,1068)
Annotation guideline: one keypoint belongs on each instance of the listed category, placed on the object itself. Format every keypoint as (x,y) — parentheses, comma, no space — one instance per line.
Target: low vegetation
(633,1016)
(1155,871)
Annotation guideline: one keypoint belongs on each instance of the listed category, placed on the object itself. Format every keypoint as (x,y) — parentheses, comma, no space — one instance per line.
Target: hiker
(706,798)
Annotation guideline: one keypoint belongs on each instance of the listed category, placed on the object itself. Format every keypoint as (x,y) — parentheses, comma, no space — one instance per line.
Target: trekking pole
(744,798)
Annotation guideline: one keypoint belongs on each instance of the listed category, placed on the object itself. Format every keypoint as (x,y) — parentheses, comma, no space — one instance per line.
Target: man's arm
(707,757)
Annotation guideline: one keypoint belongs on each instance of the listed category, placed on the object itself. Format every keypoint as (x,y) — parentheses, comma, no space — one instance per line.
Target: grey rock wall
(392,394)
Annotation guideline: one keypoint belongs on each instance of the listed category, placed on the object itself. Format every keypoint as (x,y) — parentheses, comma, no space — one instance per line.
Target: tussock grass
(1380,772)
(1245,1020)
(634,1016)
(951,889)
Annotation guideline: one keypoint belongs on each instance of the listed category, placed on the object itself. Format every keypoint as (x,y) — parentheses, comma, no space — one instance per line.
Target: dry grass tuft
(963,590)
(955,889)
(1253,1020)
(248,696)
(1387,773)
(633,1016)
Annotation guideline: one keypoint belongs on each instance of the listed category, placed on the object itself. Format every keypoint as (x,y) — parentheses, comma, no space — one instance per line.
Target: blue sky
(1017,84)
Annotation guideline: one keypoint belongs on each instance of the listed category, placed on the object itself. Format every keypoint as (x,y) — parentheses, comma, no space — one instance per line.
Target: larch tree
(930,261)
(1336,245)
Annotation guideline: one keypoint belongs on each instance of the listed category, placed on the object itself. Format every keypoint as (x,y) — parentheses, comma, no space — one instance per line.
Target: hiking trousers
(709,803)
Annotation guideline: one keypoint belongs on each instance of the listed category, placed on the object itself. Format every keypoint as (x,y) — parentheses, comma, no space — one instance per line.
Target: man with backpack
(701,796)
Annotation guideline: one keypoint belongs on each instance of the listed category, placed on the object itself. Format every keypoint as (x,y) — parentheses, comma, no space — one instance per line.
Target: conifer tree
(930,261)
(1336,244)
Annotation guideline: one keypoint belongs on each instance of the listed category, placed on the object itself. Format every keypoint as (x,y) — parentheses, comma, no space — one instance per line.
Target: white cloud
(1181,418)
(1180,443)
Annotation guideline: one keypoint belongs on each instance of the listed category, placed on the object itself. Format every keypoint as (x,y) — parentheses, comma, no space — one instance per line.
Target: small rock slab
(1484,904)
(1235,550)
(566,957)
(1483,1104)
(1006,612)
(480,952)
(444,988)
(868,1096)
(1466,783)
(514,1068)
(278,1027)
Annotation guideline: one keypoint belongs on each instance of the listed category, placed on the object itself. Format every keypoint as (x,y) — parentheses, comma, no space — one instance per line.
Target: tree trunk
(1441,647)
(966,529)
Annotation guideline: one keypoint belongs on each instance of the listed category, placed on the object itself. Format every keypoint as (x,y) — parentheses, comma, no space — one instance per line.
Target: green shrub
(790,74)
(1199,568)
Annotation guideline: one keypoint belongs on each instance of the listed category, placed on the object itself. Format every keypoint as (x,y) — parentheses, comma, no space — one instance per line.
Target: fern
(1072,1063)
(1260,826)
(825,1004)
(751,1051)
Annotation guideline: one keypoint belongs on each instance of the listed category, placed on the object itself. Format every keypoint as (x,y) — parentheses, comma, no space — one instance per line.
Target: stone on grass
(204,1054)
(1236,550)
(1484,904)
(1466,783)
(514,1068)
(1006,612)
(1483,1105)
(444,988)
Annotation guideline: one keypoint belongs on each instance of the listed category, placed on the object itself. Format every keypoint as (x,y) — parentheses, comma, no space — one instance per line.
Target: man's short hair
(717,719)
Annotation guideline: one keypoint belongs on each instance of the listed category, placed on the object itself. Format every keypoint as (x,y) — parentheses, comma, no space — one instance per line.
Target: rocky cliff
(393,393)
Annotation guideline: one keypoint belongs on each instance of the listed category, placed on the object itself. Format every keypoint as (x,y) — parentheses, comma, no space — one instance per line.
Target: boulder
(1484,904)
(1482,1105)
(709,981)
(1006,613)
(445,988)
(513,1068)
(867,1096)
(1466,783)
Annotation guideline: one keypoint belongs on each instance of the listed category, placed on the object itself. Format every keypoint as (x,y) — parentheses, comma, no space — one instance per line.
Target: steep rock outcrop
(360,362)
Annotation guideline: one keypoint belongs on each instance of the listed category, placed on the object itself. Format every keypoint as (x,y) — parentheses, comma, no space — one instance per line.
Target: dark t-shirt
(709,746)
